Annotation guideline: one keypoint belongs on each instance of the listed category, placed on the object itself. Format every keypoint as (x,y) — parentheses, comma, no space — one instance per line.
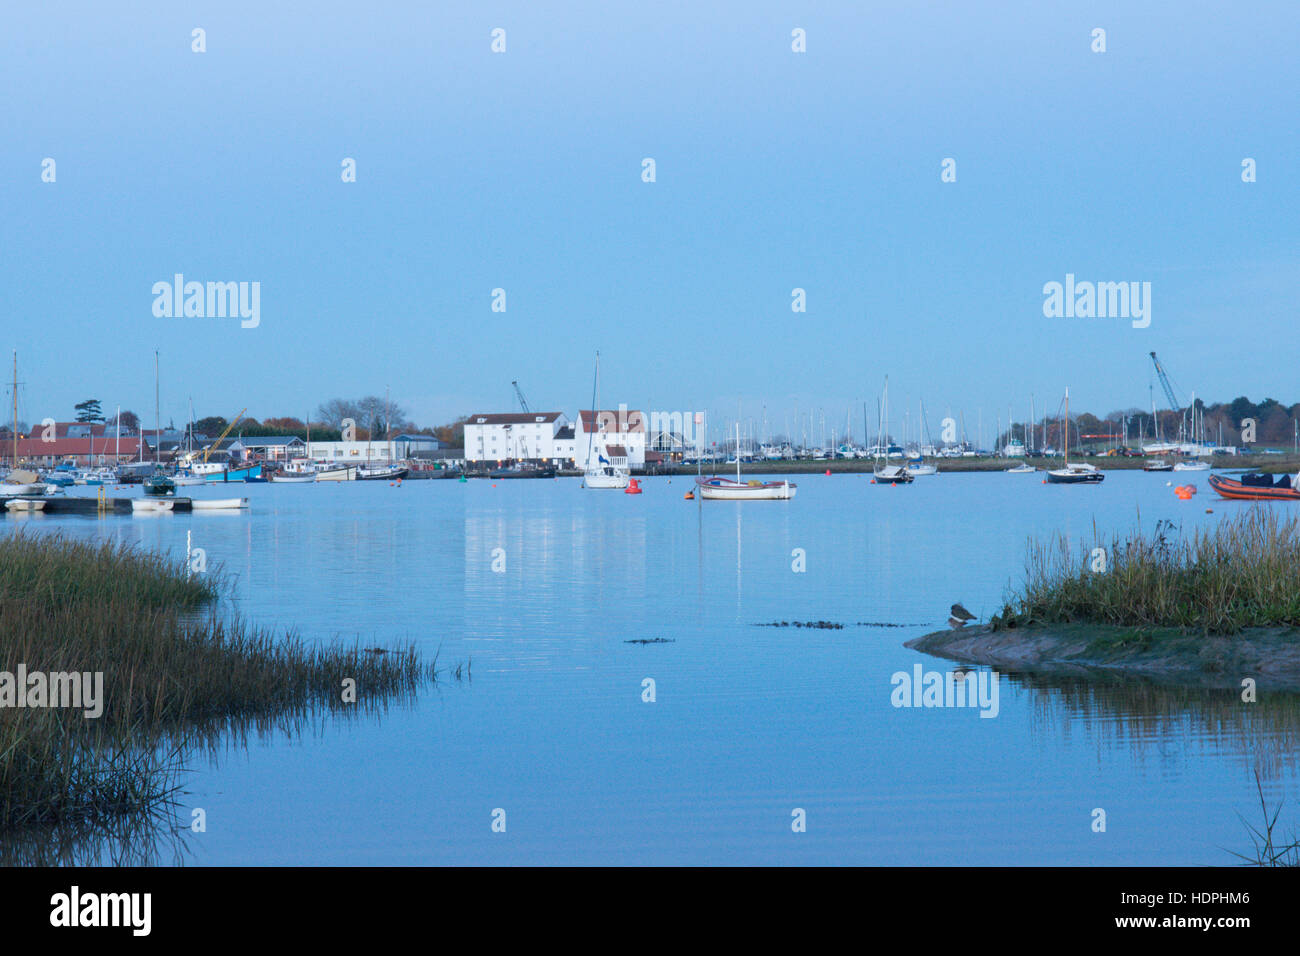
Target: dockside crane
(523,402)
(1165,384)
(208,451)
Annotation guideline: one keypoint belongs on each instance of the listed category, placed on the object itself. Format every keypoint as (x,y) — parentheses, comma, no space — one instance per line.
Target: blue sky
(522,170)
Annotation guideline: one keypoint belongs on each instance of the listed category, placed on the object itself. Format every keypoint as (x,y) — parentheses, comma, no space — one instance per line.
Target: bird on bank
(959,616)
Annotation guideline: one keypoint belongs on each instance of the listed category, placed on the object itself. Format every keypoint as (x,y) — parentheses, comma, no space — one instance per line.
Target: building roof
(616,451)
(39,448)
(269,441)
(415,436)
(513,418)
(606,420)
(96,428)
(565,432)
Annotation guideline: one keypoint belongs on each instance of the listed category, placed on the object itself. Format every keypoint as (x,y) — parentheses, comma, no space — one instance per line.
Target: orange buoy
(632,487)
(828,472)
(689,496)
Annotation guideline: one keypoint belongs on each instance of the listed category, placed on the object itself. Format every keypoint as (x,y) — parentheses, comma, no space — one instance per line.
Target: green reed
(173,672)
(1242,572)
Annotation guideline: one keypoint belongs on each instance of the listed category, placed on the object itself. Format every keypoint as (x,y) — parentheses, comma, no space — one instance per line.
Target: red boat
(1255,488)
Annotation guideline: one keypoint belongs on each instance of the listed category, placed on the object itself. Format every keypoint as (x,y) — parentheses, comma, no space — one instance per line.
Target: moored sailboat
(886,474)
(717,488)
(610,469)
(1078,473)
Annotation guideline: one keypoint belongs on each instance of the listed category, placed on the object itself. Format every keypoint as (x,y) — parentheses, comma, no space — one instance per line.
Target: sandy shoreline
(1271,656)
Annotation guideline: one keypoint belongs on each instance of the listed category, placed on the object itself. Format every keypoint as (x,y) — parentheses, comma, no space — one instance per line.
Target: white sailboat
(920,468)
(717,488)
(610,470)
(886,474)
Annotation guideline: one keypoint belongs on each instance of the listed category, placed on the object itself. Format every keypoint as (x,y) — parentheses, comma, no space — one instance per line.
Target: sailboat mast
(15,435)
(157,416)
(1067,427)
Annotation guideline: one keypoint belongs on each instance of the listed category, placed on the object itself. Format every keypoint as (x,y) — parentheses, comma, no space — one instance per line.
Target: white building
(602,428)
(355,452)
(545,437)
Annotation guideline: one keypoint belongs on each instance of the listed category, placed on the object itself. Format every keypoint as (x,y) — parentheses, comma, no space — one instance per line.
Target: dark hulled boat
(522,473)
(159,485)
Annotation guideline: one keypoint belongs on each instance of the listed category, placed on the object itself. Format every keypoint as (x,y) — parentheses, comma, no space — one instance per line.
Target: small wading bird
(959,617)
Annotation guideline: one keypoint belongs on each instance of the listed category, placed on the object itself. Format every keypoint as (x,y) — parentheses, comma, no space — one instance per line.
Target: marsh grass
(1243,572)
(1268,846)
(174,674)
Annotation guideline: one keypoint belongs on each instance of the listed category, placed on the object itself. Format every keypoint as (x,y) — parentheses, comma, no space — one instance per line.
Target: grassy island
(1208,608)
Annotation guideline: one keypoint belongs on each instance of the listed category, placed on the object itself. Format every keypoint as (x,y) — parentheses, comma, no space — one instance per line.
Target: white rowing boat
(151,505)
(218,504)
(25,504)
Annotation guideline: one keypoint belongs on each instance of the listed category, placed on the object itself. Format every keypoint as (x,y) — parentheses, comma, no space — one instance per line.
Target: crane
(1164,383)
(523,403)
(208,451)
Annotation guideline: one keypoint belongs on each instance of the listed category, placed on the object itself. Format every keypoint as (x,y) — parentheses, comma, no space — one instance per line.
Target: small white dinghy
(151,505)
(218,504)
(24,504)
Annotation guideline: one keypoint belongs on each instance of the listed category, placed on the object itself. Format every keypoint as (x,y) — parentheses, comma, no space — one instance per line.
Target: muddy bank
(1163,655)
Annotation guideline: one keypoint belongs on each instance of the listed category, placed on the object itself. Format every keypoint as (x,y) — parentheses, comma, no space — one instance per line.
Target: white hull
(218,504)
(616,481)
(294,479)
(889,472)
(150,505)
(917,471)
(17,505)
(1191,466)
(733,492)
(338,474)
(1021,469)
(36,489)
(182,480)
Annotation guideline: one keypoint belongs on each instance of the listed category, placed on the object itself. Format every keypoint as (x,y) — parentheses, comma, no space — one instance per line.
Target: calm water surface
(749,722)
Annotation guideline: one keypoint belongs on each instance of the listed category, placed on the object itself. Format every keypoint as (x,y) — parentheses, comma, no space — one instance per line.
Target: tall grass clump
(173,672)
(1243,572)
(1268,846)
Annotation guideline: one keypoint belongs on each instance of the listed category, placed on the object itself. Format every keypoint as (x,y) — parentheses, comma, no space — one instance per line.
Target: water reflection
(1147,718)
(158,835)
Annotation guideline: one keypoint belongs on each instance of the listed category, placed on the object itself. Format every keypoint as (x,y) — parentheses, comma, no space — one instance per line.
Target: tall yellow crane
(208,451)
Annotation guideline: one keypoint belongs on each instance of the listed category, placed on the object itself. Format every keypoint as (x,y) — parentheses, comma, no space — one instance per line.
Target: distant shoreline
(1279,464)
